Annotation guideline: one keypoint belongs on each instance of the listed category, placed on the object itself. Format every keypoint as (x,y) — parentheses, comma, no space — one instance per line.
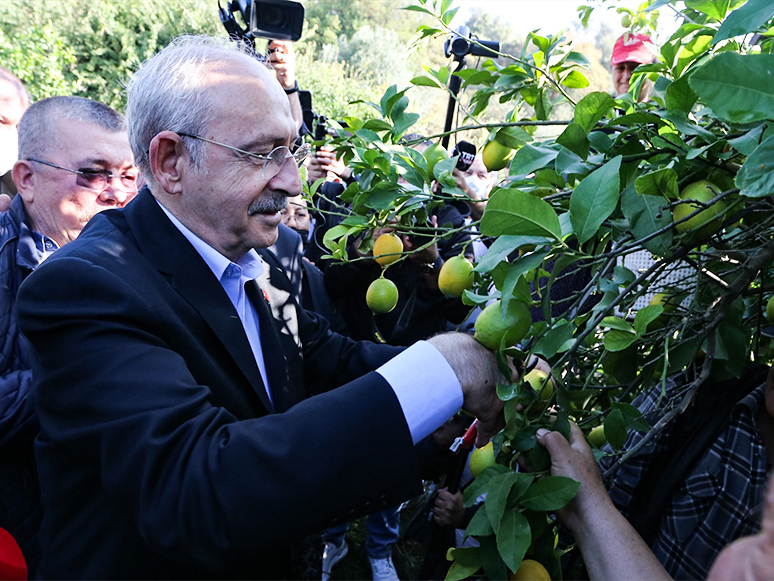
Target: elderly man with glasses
(75,161)
(193,423)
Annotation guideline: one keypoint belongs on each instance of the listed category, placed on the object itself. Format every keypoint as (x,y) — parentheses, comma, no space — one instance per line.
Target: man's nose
(116,193)
(288,179)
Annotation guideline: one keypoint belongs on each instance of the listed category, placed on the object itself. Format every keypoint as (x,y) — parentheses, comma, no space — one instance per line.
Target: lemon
(387,249)
(496,156)
(490,326)
(382,296)
(535,378)
(481,459)
(433,155)
(705,222)
(770,310)
(456,276)
(597,436)
(530,570)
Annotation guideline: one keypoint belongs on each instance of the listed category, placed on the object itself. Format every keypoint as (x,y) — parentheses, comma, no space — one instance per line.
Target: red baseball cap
(638,48)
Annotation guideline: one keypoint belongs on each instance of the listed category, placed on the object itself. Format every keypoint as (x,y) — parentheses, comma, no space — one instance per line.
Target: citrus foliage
(589,200)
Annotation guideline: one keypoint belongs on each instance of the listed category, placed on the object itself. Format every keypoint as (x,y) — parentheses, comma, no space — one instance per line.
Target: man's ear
(169,160)
(23,176)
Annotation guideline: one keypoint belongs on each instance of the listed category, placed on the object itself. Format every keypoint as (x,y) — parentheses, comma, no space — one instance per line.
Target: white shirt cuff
(426,387)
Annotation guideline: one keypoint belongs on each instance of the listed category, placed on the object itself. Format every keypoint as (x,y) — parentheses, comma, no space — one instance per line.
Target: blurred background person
(630,51)
(14,101)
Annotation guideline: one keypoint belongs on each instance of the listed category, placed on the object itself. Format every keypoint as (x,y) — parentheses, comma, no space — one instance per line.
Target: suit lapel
(169,251)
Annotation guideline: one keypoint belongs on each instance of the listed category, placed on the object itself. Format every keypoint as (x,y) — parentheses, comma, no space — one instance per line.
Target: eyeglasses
(272,162)
(95,179)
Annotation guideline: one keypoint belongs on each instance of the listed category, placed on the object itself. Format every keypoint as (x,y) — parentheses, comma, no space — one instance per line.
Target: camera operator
(283,61)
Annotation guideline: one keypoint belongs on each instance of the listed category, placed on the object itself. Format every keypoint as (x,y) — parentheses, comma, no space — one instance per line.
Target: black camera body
(274,19)
(459,44)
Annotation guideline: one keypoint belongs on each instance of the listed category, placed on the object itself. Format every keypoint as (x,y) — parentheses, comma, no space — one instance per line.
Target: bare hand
(448,511)
(575,460)
(478,374)
(283,61)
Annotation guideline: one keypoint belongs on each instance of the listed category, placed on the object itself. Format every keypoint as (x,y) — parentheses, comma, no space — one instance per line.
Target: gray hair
(36,123)
(167,94)
(21,90)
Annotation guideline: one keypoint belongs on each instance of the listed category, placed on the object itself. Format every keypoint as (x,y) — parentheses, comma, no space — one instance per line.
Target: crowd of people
(188,388)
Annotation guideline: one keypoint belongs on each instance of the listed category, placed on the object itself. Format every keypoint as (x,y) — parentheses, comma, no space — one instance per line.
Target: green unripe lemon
(496,155)
(597,436)
(490,326)
(456,276)
(770,310)
(382,296)
(705,222)
(535,378)
(433,155)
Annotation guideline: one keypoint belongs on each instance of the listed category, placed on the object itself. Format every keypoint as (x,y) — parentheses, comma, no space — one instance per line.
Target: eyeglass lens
(98,180)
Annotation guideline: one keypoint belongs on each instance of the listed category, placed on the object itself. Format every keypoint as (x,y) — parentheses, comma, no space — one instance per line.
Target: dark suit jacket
(158,455)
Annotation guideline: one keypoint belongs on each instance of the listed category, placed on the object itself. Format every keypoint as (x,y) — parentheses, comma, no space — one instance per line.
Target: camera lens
(272,17)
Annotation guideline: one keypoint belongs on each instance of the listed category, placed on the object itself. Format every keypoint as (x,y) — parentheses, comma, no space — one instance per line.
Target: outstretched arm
(611,548)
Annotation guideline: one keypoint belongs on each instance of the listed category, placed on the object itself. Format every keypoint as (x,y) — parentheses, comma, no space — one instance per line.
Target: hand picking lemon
(387,249)
(456,276)
(382,296)
(490,326)
(530,570)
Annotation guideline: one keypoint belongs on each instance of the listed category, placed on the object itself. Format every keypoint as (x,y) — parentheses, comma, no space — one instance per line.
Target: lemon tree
(615,179)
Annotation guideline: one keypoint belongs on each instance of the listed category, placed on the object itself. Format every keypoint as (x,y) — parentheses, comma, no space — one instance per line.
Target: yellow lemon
(480,459)
(530,570)
(387,249)
(496,155)
(456,276)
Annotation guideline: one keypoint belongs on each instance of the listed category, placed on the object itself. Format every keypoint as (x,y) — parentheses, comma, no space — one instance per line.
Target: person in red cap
(630,51)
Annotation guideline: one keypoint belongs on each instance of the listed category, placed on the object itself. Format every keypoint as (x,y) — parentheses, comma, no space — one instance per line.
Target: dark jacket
(159,456)
(20,509)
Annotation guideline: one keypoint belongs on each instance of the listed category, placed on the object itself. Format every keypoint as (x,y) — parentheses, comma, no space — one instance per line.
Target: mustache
(268,204)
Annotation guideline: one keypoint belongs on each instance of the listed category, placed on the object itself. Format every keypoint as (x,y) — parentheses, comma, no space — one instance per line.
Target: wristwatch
(293,89)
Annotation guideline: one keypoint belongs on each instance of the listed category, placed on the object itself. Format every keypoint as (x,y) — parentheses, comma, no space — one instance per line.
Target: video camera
(274,19)
(460,45)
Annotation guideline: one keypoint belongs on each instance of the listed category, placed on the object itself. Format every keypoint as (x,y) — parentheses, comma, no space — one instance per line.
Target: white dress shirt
(426,386)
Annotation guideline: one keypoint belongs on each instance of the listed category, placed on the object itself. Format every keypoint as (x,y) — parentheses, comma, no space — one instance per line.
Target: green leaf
(550,493)
(746,19)
(617,323)
(574,138)
(645,316)
(575,80)
(680,96)
(512,137)
(591,109)
(497,497)
(557,340)
(515,212)
(467,561)
(531,158)
(616,340)
(505,245)
(513,538)
(738,88)
(480,484)
(592,202)
(479,525)
(615,429)
(713,8)
(525,439)
(646,215)
(424,81)
(494,566)
(662,182)
(756,177)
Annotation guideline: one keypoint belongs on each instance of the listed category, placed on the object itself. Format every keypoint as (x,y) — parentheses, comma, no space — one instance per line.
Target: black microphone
(466,152)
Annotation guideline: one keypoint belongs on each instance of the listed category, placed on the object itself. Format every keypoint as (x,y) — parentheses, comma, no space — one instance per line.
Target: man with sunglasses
(75,161)
(177,438)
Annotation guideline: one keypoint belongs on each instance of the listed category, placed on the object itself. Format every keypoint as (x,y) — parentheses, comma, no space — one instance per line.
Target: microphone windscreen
(467,153)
